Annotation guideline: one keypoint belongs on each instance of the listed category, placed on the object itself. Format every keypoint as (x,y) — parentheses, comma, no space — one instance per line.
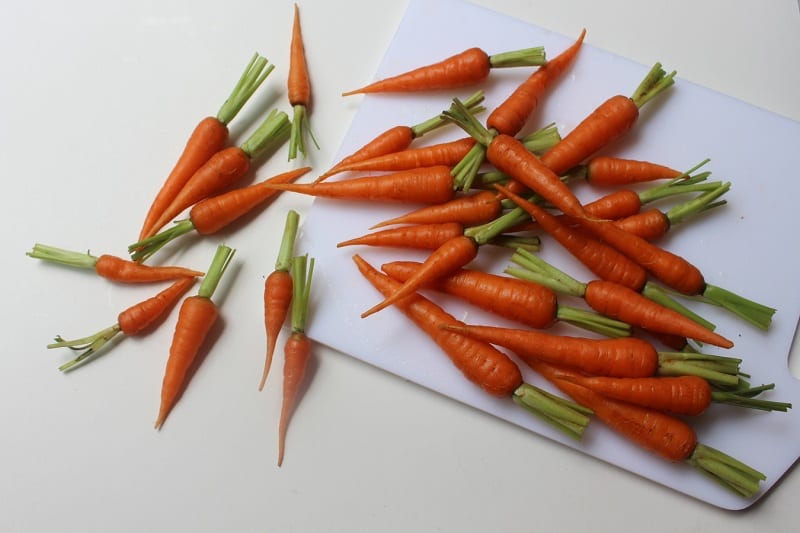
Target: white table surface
(97,100)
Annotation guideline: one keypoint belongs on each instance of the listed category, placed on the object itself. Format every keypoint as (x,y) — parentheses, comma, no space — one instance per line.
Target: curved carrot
(225,168)
(132,321)
(420,185)
(299,89)
(465,68)
(197,315)
(297,350)
(209,137)
(417,236)
(110,266)
(278,289)
(467,210)
(212,214)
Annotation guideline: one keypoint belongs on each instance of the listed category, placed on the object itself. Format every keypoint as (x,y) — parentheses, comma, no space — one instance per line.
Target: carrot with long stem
(225,168)
(297,350)
(615,171)
(209,137)
(196,317)
(215,213)
(470,67)
(132,321)
(481,363)
(278,289)
(299,90)
(110,266)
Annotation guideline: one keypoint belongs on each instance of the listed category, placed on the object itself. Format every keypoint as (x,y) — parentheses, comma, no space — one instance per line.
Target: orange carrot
(132,321)
(418,236)
(467,210)
(420,185)
(215,213)
(278,291)
(606,170)
(297,350)
(299,89)
(466,68)
(208,138)
(225,168)
(606,123)
(481,363)
(197,315)
(110,266)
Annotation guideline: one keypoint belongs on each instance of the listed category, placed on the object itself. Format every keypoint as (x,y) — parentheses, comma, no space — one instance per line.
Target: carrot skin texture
(483,365)
(467,210)
(445,153)
(137,318)
(277,300)
(122,270)
(393,140)
(297,352)
(465,68)
(648,225)
(612,171)
(616,205)
(299,85)
(418,237)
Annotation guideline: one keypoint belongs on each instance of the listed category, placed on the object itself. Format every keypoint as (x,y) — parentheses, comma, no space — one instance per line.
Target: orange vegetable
(606,170)
(299,89)
(467,210)
(418,236)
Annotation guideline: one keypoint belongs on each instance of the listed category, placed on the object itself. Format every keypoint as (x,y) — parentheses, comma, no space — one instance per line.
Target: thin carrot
(466,68)
(429,185)
(299,90)
(278,291)
(225,168)
(209,137)
(197,315)
(212,214)
(297,350)
(132,321)
(110,266)
(398,138)
(481,363)
(613,171)
(468,209)
(417,236)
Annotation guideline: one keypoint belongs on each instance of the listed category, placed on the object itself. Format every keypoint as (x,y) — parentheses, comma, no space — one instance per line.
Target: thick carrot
(466,68)
(606,123)
(481,363)
(212,214)
(299,89)
(197,315)
(278,291)
(209,137)
(132,321)
(225,168)
(469,209)
(297,350)
(398,138)
(429,185)
(110,266)
(417,236)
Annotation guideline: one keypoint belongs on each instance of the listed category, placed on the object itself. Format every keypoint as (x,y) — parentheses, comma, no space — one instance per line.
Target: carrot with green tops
(614,171)
(132,321)
(297,350)
(660,433)
(110,266)
(278,289)
(469,209)
(416,236)
(463,69)
(196,317)
(299,89)
(209,137)
(212,214)
(481,363)
(225,168)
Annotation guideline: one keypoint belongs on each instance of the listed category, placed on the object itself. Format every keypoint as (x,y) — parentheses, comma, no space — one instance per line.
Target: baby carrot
(110,266)
(299,89)
(132,321)
(197,315)
(417,236)
(607,170)
(469,209)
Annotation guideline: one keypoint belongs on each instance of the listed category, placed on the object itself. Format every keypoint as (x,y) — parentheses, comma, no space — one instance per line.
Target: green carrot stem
(90,346)
(746,398)
(286,250)
(525,57)
(142,250)
(718,370)
(654,292)
(515,242)
(302,269)
(654,83)
(272,132)
(220,262)
(563,414)
(254,74)
(472,103)
(61,256)
(753,312)
(593,321)
(729,472)
(699,204)
(676,186)
(536,269)
(298,128)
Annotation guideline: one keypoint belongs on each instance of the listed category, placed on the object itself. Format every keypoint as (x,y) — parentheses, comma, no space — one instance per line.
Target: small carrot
(614,171)
(417,236)
(299,89)
(197,315)
(212,214)
(466,68)
(297,350)
(429,185)
(398,138)
(469,209)
(278,290)
(110,266)
(225,168)
(209,137)
(132,321)
(481,363)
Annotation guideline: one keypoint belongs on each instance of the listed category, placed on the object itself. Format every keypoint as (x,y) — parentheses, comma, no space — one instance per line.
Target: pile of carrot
(489,186)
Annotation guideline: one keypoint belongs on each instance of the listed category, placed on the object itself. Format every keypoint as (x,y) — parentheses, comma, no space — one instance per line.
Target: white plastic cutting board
(748,246)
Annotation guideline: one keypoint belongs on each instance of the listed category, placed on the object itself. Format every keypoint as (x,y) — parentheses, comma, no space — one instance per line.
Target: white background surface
(97,101)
